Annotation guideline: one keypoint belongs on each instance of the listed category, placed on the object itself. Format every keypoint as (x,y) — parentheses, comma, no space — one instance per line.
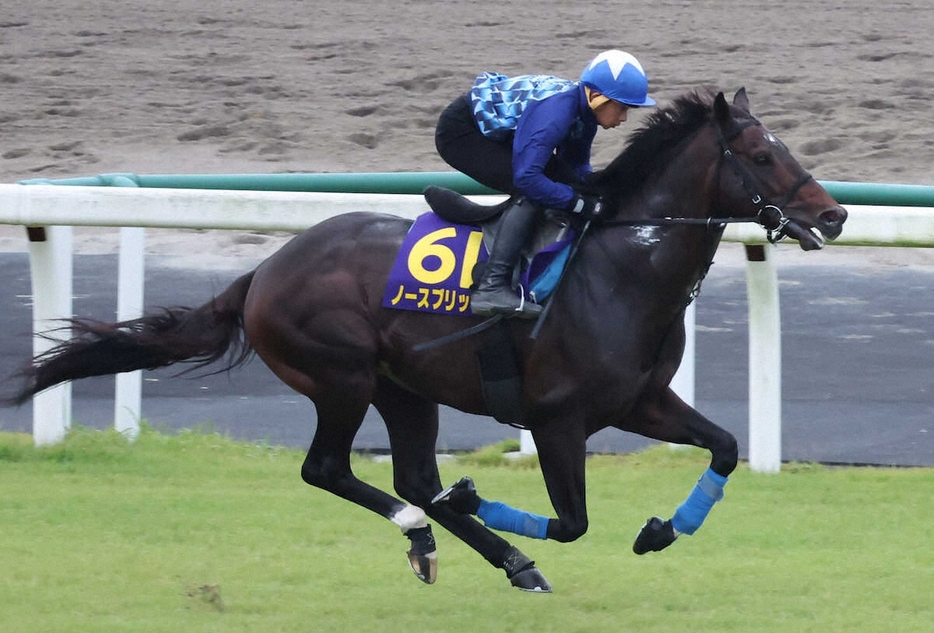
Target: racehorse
(604,357)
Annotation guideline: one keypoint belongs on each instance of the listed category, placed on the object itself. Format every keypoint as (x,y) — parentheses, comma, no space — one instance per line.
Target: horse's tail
(200,335)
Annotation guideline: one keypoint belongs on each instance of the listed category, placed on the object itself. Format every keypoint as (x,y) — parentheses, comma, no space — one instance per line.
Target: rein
(666,221)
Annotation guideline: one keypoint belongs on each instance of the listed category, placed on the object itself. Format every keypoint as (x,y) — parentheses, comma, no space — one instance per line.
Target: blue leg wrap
(499,516)
(690,515)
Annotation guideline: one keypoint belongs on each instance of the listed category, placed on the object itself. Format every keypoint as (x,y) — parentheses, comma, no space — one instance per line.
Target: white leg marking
(409,517)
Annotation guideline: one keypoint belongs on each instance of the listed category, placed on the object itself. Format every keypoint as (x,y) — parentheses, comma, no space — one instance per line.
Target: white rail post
(50,270)
(130,274)
(684,380)
(765,361)
(131,268)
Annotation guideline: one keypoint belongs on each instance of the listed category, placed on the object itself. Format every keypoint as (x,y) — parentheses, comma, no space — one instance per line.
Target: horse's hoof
(654,536)
(423,557)
(531,579)
(523,573)
(425,566)
(461,496)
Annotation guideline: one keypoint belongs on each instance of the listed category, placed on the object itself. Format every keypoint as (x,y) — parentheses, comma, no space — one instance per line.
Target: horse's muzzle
(810,237)
(830,222)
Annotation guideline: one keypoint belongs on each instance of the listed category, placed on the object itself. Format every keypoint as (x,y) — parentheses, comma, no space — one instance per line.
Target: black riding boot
(494,293)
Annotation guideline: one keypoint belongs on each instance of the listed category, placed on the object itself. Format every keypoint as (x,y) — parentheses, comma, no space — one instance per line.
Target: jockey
(530,136)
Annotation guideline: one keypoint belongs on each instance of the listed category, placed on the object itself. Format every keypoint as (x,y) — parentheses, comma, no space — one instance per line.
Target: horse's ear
(740,100)
(720,109)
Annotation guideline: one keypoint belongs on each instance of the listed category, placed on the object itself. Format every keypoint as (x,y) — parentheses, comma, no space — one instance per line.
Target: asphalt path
(858,365)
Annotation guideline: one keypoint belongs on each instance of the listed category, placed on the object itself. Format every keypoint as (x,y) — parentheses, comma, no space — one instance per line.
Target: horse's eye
(762,159)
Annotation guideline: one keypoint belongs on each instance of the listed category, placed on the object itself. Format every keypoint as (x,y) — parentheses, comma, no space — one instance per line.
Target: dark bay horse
(603,358)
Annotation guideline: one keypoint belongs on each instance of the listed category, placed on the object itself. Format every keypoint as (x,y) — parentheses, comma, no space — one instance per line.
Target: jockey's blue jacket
(540,115)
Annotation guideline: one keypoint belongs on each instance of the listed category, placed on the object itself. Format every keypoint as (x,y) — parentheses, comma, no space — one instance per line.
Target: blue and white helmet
(619,76)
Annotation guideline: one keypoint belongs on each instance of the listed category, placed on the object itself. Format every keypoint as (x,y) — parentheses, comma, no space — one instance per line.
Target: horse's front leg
(667,418)
(562,452)
(561,455)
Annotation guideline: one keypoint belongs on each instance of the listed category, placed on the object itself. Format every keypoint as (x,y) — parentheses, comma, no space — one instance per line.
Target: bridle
(769,215)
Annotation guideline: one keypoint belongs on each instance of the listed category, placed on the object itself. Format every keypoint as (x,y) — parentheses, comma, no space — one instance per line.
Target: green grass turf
(195,532)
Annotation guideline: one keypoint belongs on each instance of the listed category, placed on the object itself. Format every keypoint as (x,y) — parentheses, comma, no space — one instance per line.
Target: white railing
(59,207)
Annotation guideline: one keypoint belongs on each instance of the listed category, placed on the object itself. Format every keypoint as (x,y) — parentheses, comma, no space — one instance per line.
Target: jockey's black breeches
(464,147)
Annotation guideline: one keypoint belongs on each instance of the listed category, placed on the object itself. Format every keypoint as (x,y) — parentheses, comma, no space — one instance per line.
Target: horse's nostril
(833,217)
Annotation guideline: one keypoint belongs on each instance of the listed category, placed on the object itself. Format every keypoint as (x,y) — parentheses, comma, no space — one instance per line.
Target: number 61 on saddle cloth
(433,270)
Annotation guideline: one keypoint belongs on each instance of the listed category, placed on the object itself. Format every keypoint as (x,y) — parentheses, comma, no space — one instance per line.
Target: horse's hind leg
(667,418)
(327,466)
(412,423)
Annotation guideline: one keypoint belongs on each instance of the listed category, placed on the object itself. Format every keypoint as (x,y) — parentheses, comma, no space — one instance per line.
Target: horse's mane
(650,146)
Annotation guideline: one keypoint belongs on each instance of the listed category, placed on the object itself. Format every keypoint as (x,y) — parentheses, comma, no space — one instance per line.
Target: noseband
(768,214)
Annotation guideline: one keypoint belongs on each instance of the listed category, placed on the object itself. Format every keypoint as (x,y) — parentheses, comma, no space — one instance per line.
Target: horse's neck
(672,258)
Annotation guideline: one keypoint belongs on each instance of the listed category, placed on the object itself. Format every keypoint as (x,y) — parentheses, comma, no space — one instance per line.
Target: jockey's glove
(586,206)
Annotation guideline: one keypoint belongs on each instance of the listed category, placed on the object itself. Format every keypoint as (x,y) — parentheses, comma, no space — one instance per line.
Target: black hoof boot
(461,496)
(654,536)
(423,557)
(523,573)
